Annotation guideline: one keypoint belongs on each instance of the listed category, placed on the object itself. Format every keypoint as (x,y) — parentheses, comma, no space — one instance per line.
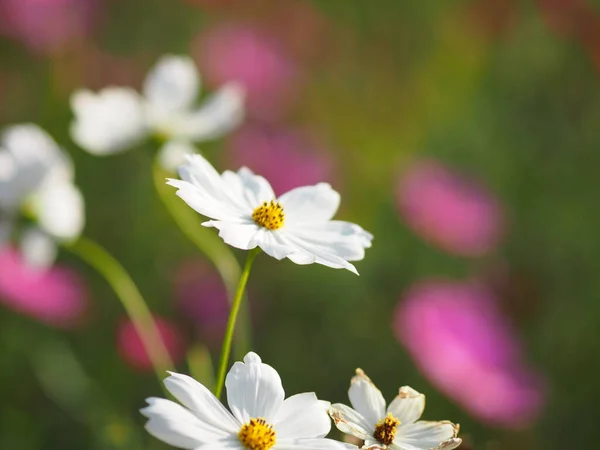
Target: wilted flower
(297,225)
(131,347)
(456,214)
(46,25)
(260,418)
(248,55)
(36,180)
(396,428)
(288,158)
(462,343)
(115,119)
(55,296)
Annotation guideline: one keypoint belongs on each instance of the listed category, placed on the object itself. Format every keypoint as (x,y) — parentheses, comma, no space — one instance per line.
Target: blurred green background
(504,91)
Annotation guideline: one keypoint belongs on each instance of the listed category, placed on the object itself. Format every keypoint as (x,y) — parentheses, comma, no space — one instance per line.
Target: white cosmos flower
(36,179)
(296,225)
(396,428)
(260,418)
(116,118)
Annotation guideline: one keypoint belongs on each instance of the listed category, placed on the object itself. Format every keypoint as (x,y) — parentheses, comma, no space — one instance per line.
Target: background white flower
(395,428)
(297,225)
(115,119)
(36,179)
(260,418)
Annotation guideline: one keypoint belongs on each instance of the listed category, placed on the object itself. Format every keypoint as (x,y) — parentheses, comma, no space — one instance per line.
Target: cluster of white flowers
(36,182)
(262,419)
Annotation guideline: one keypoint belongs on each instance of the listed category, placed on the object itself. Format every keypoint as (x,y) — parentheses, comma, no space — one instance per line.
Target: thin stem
(131,299)
(235,307)
(210,245)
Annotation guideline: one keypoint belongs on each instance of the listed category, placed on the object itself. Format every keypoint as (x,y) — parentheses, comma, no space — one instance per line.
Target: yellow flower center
(385,430)
(269,215)
(257,435)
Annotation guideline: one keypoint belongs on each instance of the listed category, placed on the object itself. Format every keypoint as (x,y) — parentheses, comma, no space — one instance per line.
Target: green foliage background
(519,107)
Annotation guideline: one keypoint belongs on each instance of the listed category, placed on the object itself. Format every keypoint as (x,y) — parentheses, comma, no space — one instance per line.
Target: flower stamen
(385,430)
(269,215)
(257,435)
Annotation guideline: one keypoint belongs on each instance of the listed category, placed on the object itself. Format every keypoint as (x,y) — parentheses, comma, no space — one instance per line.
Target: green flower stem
(235,307)
(133,302)
(210,245)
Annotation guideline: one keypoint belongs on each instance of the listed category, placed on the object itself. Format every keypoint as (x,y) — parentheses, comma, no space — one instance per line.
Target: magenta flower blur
(46,25)
(201,295)
(454,213)
(255,60)
(462,343)
(132,351)
(287,158)
(56,295)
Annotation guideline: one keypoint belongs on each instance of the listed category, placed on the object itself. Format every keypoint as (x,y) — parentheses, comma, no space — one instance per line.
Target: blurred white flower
(260,418)
(297,225)
(394,428)
(115,119)
(36,180)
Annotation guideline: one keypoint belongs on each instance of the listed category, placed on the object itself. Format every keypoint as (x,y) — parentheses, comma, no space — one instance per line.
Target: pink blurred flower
(456,214)
(287,158)
(55,296)
(253,58)
(462,343)
(46,25)
(202,297)
(132,350)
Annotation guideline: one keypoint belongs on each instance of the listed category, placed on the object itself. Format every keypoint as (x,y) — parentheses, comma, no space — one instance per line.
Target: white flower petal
(172,85)
(59,209)
(238,235)
(256,188)
(201,402)
(313,444)
(201,174)
(38,249)
(305,251)
(28,142)
(428,435)
(220,113)
(309,204)
(253,390)
(343,239)
(231,443)
(202,202)
(28,157)
(172,155)
(408,405)
(366,398)
(349,421)
(177,426)
(108,122)
(272,244)
(16,182)
(302,416)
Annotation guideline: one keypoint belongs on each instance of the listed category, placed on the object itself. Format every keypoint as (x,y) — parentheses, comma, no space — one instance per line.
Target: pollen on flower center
(385,430)
(269,215)
(257,435)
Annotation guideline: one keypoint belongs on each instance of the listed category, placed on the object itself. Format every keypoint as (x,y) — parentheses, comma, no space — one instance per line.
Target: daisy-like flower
(260,418)
(296,225)
(394,428)
(36,181)
(116,118)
